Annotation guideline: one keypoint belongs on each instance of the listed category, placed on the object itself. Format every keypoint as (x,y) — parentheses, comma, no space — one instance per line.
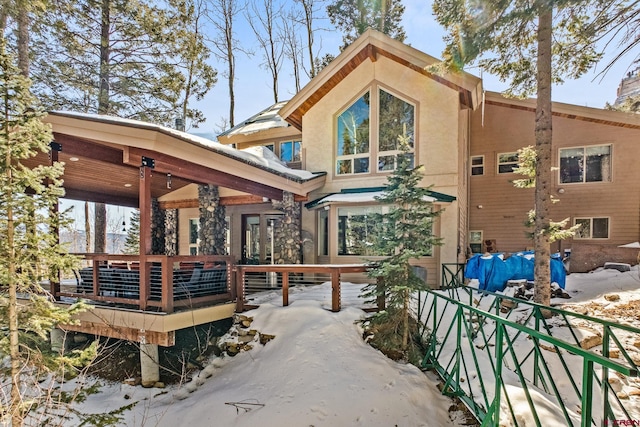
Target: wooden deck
(146,299)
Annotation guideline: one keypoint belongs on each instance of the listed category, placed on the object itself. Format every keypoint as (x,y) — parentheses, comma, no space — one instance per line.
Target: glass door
(251,239)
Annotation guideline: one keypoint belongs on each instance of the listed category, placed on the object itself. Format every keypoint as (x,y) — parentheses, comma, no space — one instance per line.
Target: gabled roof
(368,195)
(369,46)
(569,111)
(265,119)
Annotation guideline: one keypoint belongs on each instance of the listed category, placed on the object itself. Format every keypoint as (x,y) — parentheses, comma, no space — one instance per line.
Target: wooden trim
(564,115)
(200,174)
(74,146)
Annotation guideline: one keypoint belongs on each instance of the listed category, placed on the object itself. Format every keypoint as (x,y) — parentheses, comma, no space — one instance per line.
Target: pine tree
(354,17)
(406,232)
(532,44)
(132,243)
(29,249)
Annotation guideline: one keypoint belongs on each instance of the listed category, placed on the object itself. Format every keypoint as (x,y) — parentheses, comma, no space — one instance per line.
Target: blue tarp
(493,272)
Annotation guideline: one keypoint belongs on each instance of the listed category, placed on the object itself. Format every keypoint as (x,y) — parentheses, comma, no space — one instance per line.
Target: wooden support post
(335,290)
(167,285)
(54,275)
(145,234)
(240,290)
(285,288)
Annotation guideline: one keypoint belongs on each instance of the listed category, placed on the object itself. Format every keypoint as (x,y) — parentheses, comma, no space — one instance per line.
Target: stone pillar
(213,223)
(58,340)
(287,241)
(157,228)
(149,365)
(171,232)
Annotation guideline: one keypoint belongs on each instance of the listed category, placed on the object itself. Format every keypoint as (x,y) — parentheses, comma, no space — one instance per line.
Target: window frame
(474,166)
(293,143)
(194,246)
(503,163)
(374,154)
(584,172)
(591,219)
(474,242)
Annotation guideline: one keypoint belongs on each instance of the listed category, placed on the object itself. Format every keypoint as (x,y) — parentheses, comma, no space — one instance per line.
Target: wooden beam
(165,339)
(200,174)
(145,234)
(74,146)
(82,195)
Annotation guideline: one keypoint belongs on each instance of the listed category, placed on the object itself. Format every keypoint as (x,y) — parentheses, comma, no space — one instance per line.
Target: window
(592,228)
(396,120)
(356,229)
(356,150)
(475,241)
(507,162)
(585,164)
(290,151)
(194,240)
(353,138)
(477,165)
(271,147)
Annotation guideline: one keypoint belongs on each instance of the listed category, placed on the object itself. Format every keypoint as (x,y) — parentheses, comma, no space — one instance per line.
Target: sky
(253,90)
(318,371)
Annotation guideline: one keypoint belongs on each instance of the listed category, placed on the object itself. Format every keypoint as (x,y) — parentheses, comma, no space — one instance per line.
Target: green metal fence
(512,366)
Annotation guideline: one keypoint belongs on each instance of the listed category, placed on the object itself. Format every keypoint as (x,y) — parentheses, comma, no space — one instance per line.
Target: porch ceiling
(102,163)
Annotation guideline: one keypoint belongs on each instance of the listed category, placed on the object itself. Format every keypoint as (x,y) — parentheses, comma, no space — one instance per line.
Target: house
(345,123)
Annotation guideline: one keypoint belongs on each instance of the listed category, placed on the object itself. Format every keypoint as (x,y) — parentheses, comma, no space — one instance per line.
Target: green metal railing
(495,352)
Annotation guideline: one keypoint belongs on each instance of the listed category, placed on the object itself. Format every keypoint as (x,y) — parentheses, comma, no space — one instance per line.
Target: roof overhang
(368,195)
(568,111)
(369,46)
(103,155)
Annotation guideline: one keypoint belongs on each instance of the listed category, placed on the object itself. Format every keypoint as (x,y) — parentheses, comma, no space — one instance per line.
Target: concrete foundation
(149,366)
(58,340)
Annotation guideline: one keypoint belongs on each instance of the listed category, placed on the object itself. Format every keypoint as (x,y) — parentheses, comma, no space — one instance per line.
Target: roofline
(440,197)
(301,185)
(568,111)
(370,45)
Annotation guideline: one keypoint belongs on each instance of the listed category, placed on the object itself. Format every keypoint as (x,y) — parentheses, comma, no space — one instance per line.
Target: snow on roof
(253,156)
(265,119)
(358,197)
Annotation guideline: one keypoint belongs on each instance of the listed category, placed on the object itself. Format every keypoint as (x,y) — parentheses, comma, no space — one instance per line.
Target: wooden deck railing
(164,283)
(154,281)
(333,271)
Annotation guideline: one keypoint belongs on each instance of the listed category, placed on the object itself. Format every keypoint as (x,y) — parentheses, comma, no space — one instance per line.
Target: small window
(475,241)
(507,162)
(592,228)
(477,165)
(271,147)
(585,164)
(194,228)
(290,151)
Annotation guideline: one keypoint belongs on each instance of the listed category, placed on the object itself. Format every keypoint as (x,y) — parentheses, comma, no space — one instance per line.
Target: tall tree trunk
(100,223)
(100,226)
(543,136)
(87,228)
(14,345)
(23,37)
(231,63)
(307,5)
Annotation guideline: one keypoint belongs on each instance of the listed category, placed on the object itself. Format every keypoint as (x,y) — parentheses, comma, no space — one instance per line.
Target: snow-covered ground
(317,371)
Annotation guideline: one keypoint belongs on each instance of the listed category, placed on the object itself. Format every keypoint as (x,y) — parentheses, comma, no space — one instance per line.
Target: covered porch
(149,167)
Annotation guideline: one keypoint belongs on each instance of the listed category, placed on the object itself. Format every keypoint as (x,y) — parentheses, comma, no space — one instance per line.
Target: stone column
(287,240)
(213,223)
(171,232)
(149,365)
(157,228)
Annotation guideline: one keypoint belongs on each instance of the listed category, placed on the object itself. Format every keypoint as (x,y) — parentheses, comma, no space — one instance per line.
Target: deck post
(285,288)
(335,290)
(149,365)
(240,290)
(145,230)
